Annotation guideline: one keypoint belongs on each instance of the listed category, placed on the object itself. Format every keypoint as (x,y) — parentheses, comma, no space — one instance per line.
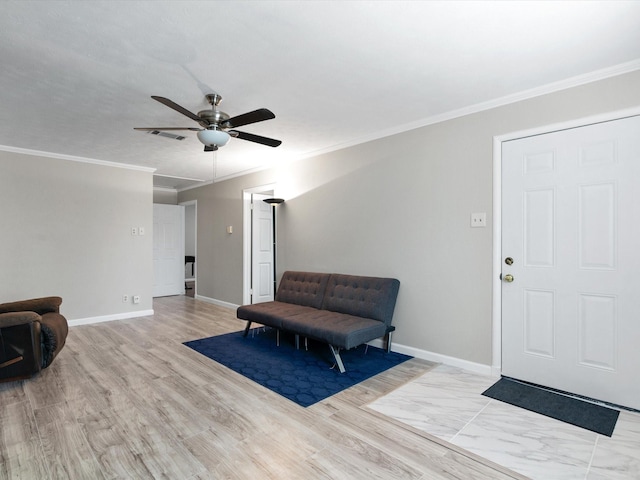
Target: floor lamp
(273,202)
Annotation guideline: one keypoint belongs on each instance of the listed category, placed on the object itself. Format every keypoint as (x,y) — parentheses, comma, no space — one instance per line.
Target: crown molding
(59,156)
(164,189)
(549,88)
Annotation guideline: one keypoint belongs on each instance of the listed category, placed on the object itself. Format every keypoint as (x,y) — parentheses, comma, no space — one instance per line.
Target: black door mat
(567,409)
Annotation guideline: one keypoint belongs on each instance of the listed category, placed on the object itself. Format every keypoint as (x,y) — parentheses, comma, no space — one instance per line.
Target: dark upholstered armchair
(32,333)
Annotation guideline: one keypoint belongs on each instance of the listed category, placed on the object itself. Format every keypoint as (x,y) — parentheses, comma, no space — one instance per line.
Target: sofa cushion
(368,297)
(337,329)
(302,288)
(270,313)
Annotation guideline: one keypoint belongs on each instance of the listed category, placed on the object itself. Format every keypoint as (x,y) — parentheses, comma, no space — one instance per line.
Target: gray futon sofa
(342,310)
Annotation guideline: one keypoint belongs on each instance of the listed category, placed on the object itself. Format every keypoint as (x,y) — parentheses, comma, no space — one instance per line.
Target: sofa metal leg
(297,342)
(389,342)
(277,337)
(246,329)
(336,356)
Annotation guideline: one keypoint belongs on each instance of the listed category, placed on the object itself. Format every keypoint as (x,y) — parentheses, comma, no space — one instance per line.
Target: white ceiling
(77,76)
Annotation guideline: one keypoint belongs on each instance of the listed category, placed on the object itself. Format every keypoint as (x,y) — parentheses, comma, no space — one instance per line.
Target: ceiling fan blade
(259,115)
(193,129)
(182,110)
(270,142)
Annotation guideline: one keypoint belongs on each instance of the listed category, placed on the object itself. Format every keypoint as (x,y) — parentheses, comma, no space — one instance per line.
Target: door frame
(496,362)
(246,236)
(195,238)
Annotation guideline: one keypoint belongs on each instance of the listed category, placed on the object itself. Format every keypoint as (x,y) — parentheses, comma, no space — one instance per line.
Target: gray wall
(399,206)
(66,231)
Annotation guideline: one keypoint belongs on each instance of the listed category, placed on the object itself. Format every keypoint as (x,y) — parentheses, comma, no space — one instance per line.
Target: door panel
(539,321)
(570,222)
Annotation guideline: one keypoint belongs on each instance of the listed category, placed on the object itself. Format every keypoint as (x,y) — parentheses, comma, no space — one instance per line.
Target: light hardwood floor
(125,399)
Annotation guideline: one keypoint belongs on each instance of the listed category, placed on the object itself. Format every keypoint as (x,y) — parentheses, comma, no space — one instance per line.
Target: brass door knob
(508,278)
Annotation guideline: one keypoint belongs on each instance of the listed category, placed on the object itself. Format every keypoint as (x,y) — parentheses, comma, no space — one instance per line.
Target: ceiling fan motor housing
(214,117)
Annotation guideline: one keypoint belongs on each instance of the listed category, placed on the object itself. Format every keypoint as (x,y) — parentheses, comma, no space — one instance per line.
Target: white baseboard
(214,301)
(438,358)
(109,318)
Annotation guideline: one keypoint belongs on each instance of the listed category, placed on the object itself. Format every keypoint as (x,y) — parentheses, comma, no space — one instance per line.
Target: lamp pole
(273,202)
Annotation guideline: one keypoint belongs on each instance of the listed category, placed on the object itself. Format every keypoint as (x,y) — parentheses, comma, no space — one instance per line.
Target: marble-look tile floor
(447,402)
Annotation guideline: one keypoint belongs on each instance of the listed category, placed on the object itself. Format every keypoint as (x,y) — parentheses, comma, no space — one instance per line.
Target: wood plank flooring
(125,399)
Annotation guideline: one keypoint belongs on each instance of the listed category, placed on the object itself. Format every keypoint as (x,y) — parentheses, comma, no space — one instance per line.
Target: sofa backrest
(369,297)
(302,288)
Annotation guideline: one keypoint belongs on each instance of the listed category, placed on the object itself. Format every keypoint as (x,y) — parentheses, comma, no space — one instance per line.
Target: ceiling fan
(216,125)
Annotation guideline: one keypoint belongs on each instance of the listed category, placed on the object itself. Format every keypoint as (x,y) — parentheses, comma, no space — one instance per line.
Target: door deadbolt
(508,278)
(508,261)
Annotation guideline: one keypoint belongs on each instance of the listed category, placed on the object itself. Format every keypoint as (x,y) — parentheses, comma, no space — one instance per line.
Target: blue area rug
(303,376)
(546,402)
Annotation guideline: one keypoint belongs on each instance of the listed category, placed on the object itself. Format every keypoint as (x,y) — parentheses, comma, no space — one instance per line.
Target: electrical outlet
(136,299)
(478,220)
(125,298)
(134,231)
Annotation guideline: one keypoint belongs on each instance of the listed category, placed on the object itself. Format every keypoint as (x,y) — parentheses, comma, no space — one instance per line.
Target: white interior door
(261,250)
(168,250)
(570,223)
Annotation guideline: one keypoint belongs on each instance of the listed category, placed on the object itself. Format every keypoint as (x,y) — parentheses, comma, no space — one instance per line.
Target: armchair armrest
(39,305)
(11,319)
(20,348)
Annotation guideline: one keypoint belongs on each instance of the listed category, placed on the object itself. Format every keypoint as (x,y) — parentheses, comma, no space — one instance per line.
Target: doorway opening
(190,247)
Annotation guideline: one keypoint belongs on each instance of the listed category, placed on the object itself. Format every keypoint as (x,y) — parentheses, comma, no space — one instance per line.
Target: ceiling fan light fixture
(218,138)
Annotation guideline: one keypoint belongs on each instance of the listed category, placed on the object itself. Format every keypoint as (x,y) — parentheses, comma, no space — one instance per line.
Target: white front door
(168,250)
(571,260)
(261,250)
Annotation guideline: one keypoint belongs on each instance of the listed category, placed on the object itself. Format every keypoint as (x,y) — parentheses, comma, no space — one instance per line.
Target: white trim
(246,247)
(191,187)
(60,156)
(109,318)
(478,368)
(496,284)
(178,178)
(195,266)
(165,189)
(497,211)
(214,301)
(227,177)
